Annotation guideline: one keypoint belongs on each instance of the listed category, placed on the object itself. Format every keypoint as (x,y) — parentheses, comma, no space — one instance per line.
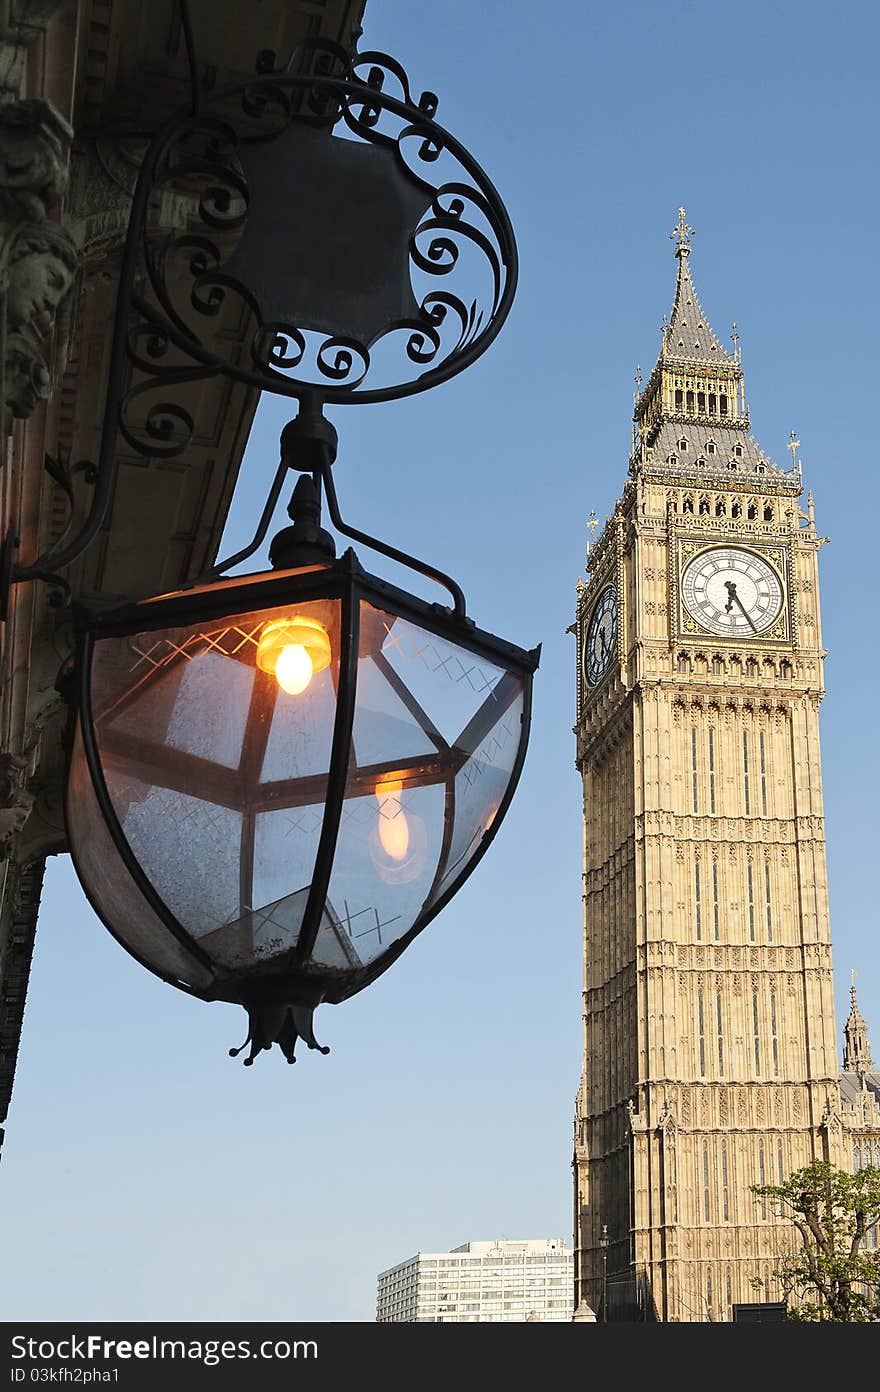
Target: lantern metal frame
(291,981)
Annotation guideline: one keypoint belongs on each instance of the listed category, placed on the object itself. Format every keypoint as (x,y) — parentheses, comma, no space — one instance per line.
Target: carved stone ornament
(22,24)
(38,257)
(40,270)
(34,144)
(15,801)
(25,380)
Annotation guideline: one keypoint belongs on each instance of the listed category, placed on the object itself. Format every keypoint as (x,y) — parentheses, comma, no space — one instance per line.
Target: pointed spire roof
(688,334)
(857,1052)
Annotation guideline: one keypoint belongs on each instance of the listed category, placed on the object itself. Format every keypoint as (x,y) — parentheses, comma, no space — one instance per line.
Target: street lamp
(277,780)
(604,1242)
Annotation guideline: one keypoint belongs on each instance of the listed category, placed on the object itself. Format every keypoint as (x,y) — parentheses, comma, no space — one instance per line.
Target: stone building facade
(83,84)
(709,1047)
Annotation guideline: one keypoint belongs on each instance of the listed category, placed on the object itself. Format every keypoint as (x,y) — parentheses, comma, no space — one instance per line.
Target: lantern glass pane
(202,834)
(218,774)
(386,859)
(481,783)
(435,738)
(447,682)
(111,888)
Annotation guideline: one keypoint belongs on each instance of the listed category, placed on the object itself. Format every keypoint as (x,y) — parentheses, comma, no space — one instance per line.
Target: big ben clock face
(732,592)
(601,638)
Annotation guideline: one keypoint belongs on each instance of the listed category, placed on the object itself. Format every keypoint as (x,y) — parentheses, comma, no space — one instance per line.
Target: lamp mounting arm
(459,604)
(309,444)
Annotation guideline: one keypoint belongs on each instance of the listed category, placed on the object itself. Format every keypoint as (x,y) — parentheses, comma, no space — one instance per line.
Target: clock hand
(730,586)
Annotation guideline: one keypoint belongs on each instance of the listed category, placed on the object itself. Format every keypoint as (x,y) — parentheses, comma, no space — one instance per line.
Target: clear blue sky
(148,1176)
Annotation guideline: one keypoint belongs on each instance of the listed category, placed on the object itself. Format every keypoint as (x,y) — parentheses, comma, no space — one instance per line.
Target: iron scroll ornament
(160,337)
(371,265)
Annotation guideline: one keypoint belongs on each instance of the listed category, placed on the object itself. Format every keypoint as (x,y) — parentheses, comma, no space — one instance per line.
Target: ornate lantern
(277,780)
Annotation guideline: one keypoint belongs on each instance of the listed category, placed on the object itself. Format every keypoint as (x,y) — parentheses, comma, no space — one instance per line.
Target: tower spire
(857,1051)
(692,414)
(688,333)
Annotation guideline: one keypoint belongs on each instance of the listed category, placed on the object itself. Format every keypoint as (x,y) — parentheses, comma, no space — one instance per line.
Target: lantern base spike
(281,1024)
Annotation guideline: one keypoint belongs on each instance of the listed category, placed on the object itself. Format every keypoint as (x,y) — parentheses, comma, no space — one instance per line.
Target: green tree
(833,1276)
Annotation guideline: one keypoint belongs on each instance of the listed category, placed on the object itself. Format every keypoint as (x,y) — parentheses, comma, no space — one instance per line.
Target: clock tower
(709,1034)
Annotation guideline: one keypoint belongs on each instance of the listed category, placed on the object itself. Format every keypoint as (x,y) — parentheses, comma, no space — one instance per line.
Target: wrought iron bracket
(62,472)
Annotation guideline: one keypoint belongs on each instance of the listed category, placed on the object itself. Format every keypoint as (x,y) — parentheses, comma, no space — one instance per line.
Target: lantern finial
(271,1023)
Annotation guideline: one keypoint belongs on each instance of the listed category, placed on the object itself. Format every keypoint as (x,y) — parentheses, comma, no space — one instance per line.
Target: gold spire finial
(636,394)
(734,338)
(793,445)
(592,524)
(681,232)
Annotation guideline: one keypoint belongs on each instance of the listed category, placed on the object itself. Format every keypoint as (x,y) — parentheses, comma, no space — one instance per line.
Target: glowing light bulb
(294,669)
(393,826)
(293,649)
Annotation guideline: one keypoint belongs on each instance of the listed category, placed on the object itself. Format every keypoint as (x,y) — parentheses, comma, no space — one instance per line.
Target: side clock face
(731,592)
(601,636)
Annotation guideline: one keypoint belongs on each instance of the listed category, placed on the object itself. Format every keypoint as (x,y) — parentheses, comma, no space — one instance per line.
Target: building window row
(703,506)
(703,402)
(720,1034)
(752,906)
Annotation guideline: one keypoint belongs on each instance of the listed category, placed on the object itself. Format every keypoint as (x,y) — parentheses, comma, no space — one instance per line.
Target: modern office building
(480,1282)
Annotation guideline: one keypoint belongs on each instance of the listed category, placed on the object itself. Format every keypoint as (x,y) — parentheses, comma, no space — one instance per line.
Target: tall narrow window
(701,402)
(725,1190)
(746,771)
(689,400)
(716,917)
(709,1291)
(769,899)
(762,1177)
(712,765)
(720,1031)
(701,1031)
(755,1032)
(763,774)
(694,766)
(698,901)
(722,404)
(774,1042)
(729,1289)
(750,877)
(780,1162)
(706,1180)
